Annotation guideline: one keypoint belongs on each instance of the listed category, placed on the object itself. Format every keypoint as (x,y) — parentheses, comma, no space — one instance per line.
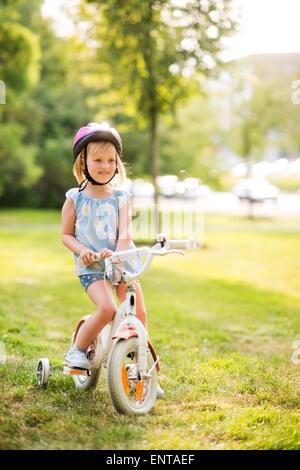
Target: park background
(188,100)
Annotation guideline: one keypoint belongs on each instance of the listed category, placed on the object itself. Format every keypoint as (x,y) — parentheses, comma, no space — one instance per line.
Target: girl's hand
(88,256)
(105,253)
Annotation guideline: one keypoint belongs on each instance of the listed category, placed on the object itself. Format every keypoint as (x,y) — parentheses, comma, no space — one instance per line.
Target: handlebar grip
(81,263)
(187,244)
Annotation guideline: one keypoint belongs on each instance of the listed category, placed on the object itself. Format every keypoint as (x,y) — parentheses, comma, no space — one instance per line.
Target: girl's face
(102,162)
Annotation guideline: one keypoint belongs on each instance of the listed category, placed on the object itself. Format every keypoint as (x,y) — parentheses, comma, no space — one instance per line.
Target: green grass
(222,320)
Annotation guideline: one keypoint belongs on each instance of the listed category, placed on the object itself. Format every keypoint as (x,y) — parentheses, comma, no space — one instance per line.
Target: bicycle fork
(132,326)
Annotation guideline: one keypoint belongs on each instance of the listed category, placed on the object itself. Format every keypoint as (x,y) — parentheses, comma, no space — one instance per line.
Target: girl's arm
(124,239)
(68,234)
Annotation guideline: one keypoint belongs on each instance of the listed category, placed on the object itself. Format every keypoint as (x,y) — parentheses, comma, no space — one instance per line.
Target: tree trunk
(153,115)
(154,166)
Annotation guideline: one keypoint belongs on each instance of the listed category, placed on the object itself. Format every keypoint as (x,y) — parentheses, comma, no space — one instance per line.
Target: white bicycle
(123,346)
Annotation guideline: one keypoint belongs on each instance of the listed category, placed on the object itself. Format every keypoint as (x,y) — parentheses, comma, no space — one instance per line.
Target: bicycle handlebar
(163,247)
(138,253)
(188,244)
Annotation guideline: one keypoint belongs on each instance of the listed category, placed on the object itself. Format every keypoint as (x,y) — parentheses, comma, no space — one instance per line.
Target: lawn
(222,319)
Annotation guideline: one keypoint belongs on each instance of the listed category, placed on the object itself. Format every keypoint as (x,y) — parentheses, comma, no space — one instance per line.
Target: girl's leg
(140,304)
(106,308)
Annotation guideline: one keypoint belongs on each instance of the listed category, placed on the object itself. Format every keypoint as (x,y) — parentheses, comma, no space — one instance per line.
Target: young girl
(97,218)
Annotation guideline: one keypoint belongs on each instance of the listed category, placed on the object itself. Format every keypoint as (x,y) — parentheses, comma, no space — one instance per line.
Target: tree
(46,102)
(260,114)
(19,69)
(149,51)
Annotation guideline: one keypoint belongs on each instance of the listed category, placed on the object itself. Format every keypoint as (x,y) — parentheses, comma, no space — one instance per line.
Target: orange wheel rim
(139,390)
(125,380)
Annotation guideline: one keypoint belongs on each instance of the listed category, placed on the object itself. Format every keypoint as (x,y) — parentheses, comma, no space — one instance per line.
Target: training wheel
(43,372)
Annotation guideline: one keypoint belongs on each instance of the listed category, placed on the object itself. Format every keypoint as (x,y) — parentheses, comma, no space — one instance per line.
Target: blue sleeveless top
(97,227)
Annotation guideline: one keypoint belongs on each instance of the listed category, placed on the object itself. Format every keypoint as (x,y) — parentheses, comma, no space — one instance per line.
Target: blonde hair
(93,147)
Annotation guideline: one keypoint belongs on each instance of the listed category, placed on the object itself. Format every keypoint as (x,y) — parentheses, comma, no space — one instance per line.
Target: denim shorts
(87,279)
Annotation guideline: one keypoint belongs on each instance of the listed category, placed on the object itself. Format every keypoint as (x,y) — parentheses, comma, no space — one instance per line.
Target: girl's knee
(106,312)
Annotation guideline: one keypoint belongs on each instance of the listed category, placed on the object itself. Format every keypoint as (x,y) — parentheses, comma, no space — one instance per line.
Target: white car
(193,189)
(141,188)
(255,190)
(167,185)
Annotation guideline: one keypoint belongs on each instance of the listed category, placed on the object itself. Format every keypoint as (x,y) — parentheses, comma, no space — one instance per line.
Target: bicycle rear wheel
(89,382)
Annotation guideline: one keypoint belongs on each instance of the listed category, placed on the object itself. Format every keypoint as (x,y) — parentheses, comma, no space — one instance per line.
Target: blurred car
(167,185)
(141,188)
(193,189)
(180,189)
(255,190)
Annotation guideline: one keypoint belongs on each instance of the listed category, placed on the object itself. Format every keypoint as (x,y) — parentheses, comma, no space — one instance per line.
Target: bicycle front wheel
(128,394)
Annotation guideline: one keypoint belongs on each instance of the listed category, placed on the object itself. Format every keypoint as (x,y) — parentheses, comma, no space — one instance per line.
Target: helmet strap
(88,176)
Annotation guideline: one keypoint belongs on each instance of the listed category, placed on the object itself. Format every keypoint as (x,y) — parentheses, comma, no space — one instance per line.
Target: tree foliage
(45,103)
(261,115)
(148,67)
(150,50)
(154,47)
(19,69)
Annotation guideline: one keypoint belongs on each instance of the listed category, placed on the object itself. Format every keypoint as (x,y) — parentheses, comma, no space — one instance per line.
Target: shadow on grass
(222,315)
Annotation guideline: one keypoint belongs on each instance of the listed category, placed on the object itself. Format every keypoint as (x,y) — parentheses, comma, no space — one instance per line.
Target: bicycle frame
(124,325)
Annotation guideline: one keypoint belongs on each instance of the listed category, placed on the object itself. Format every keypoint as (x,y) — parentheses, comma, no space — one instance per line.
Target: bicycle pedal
(75,371)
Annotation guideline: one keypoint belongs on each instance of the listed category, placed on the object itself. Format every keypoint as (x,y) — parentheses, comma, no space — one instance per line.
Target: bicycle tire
(120,399)
(87,382)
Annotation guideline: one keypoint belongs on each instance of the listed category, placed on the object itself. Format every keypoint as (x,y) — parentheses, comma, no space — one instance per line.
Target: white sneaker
(77,358)
(159,392)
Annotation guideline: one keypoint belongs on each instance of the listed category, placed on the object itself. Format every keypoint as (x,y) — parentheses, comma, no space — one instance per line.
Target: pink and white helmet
(95,131)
